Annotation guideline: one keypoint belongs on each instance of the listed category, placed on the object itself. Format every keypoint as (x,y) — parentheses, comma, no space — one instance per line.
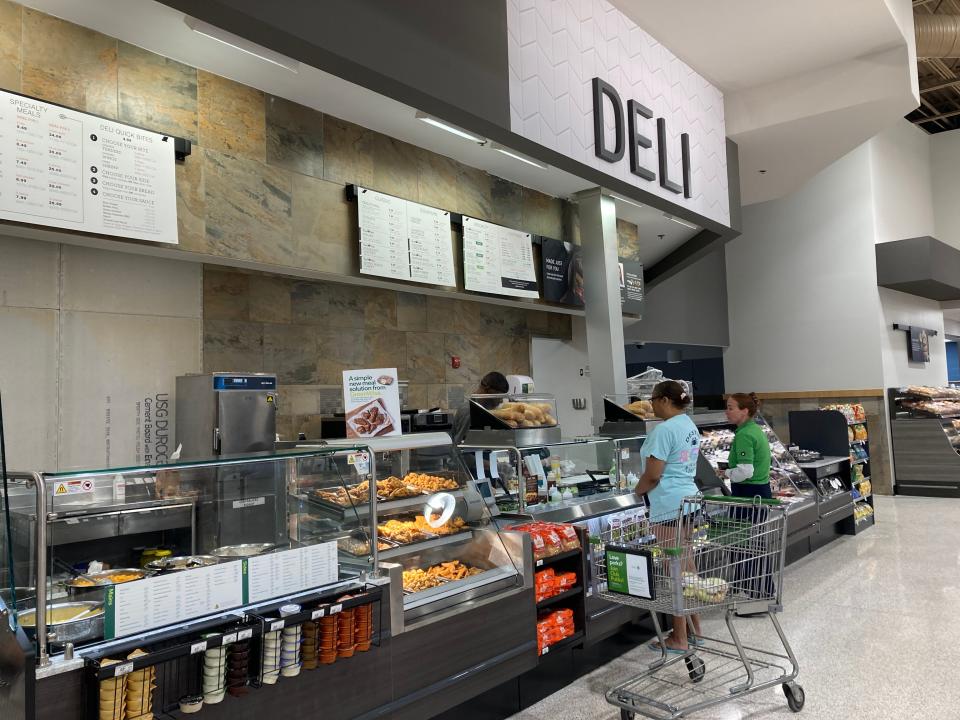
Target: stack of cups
(238,663)
(345,631)
(327,648)
(363,627)
(270,663)
(290,657)
(214,669)
(309,647)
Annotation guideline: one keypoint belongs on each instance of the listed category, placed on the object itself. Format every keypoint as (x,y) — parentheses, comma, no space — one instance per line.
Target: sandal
(655,646)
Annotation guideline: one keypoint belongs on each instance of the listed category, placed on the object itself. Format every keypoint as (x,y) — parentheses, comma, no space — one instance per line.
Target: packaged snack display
(552,627)
(549,539)
(548,583)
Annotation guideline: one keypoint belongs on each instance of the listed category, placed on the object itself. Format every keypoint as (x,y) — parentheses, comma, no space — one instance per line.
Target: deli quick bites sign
(67,169)
(371,402)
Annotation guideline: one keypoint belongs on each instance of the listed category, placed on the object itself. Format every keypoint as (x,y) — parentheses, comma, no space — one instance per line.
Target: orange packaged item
(568,537)
(551,540)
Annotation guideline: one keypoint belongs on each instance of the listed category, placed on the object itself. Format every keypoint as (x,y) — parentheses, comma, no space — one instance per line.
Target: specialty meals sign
(67,169)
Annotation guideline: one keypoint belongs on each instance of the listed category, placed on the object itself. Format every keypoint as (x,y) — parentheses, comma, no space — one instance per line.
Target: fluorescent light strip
(242,44)
(681,222)
(453,129)
(628,202)
(521,158)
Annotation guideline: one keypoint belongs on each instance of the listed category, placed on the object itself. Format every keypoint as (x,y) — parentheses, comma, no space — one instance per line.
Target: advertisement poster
(371,402)
(498,260)
(631,287)
(919,344)
(629,572)
(67,169)
(562,265)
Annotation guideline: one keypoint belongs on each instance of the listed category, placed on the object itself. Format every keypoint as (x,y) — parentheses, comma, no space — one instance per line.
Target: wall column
(598,236)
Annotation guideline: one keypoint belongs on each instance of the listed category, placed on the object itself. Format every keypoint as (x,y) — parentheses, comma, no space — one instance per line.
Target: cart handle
(742,500)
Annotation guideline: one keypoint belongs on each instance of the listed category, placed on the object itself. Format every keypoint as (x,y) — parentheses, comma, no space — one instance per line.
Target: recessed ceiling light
(678,221)
(628,202)
(241,44)
(452,129)
(518,156)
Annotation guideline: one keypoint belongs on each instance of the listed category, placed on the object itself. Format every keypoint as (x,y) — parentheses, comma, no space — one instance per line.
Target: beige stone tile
(192,203)
(417,395)
(340,349)
(347,306)
(411,311)
(458,395)
(226,295)
(248,209)
(473,354)
(507,202)
(299,400)
(571,223)
(307,425)
(29,273)
(111,364)
(437,181)
(309,303)
(395,167)
(473,193)
(10,37)
(436,396)
(542,214)
(232,117)
(157,93)
(560,326)
(628,240)
(427,357)
(325,232)
(347,152)
(285,426)
(380,308)
(294,136)
(270,299)
(538,323)
(290,351)
(485,319)
(231,346)
(117,282)
(28,377)
(442,314)
(69,64)
(386,348)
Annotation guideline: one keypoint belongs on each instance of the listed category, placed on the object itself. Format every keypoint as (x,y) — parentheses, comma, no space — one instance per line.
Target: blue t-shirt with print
(677,442)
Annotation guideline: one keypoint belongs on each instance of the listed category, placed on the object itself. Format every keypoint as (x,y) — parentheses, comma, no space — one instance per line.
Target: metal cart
(720,554)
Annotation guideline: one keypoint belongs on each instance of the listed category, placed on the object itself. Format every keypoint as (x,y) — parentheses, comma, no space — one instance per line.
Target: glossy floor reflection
(873,620)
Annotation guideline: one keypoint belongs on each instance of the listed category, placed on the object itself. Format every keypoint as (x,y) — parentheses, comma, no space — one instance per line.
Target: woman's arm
(652,473)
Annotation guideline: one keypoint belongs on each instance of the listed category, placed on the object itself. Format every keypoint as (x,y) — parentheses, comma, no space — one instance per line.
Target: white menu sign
(67,169)
(498,260)
(404,240)
(291,571)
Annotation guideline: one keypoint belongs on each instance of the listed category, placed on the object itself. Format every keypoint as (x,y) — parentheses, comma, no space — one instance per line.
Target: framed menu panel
(67,169)
(404,240)
(498,260)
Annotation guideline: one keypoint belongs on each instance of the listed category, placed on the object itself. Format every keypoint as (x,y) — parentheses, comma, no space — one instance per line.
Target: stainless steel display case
(64,520)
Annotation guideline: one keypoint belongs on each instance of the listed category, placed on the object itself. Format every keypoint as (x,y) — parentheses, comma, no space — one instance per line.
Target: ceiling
(659,235)
(937,73)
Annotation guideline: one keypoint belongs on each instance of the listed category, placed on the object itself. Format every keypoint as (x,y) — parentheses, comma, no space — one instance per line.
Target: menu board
(143,605)
(283,573)
(404,240)
(67,169)
(498,260)
(631,287)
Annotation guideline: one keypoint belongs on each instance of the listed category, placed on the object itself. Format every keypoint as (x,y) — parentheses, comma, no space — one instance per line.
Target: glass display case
(125,551)
(435,528)
(526,419)
(940,403)
(925,443)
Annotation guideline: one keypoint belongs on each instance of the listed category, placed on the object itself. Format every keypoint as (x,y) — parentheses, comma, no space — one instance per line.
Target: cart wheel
(795,696)
(695,668)
(626,715)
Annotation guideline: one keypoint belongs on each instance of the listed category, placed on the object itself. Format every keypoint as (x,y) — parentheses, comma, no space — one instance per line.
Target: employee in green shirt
(748,467)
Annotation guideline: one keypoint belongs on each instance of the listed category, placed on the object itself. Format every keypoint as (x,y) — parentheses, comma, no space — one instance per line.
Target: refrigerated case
(925,432)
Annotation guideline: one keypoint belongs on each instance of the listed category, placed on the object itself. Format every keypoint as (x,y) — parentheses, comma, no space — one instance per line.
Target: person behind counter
(493,383)
(670,455)
(749,465)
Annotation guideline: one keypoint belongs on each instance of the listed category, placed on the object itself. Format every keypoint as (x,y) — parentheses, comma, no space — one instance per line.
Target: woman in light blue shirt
(670,455)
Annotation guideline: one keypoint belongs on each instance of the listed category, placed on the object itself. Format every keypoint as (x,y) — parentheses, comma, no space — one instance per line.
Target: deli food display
(925,434)
(521,412)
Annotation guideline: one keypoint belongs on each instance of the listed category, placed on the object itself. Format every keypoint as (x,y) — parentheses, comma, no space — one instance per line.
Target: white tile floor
(874,621)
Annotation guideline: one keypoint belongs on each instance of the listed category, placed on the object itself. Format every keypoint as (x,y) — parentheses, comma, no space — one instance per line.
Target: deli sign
(630,134)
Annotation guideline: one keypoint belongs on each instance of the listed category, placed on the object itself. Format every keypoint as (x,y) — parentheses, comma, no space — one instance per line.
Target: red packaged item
(551,539)
(568,537)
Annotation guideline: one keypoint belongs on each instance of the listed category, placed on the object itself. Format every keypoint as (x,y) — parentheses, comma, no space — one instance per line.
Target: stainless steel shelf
(425,545)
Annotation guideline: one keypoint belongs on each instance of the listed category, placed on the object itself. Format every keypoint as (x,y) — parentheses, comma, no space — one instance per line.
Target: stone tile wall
(310,332)
(777,411)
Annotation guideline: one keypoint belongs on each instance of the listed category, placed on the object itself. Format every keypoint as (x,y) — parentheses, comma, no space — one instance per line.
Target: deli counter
(144,591)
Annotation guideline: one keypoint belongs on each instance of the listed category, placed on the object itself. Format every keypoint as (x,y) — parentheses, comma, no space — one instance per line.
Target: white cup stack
(214,671)
(290,654)
(270,666)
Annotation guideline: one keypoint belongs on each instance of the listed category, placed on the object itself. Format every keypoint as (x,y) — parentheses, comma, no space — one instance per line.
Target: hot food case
(925,432)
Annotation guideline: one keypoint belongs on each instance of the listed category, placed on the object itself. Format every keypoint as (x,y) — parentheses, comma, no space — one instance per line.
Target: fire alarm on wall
(454,362)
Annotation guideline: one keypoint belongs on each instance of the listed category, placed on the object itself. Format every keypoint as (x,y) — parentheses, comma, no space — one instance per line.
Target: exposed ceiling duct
(938,36)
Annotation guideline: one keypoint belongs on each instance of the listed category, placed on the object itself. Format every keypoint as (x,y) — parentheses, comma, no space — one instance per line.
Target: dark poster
(562,272)
(919,344)
(631,287)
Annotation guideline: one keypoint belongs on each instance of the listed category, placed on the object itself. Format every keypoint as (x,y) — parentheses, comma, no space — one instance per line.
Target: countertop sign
(67,169)
(371,401)
(498,260)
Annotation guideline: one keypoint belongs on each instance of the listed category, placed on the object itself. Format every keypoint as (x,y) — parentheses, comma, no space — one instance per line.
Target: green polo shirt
(751,447)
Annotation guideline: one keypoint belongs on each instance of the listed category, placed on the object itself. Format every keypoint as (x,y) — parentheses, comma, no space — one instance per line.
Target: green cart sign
(630,572)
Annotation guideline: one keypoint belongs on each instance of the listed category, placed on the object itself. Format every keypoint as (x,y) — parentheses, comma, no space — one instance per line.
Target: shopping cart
(716,553)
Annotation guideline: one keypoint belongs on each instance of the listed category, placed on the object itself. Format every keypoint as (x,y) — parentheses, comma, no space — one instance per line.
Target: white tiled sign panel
(557,47)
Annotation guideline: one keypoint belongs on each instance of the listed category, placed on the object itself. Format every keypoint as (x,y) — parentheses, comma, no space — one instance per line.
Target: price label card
(124,669)
(334,609)
(276,625)
(539,563)
(227,639)
(245,634)
(318,613)
(198,647)
(545,651)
